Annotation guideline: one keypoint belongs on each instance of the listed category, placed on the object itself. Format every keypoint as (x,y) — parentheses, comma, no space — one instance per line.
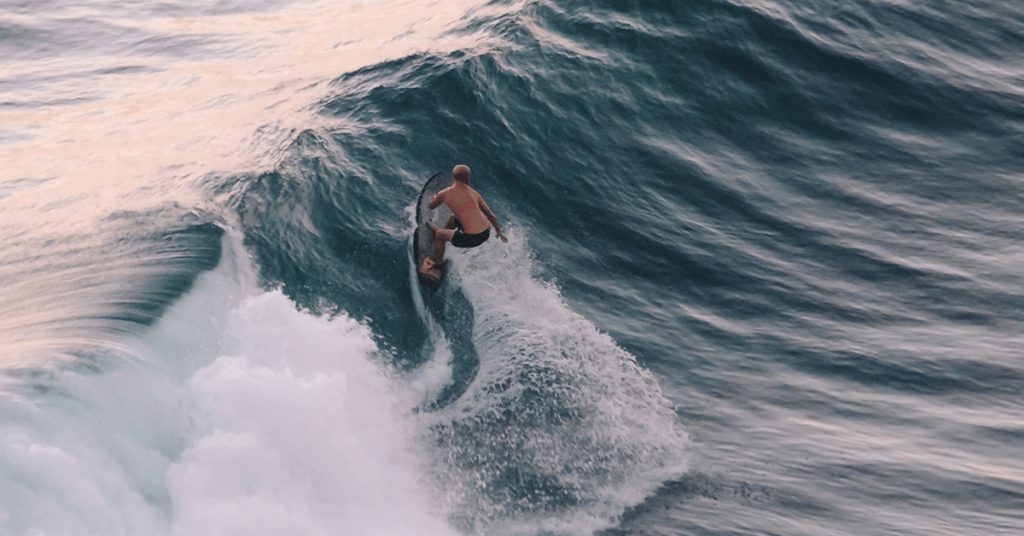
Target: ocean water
(764,273)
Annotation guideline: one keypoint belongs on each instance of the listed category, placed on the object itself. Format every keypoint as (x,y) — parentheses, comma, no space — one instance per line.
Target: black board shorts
(463,240)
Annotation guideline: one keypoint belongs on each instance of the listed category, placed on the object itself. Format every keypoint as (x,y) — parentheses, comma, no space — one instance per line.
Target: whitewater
(235,414)
(238,413)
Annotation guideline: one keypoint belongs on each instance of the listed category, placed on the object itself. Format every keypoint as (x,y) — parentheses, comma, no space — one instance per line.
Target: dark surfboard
(422,240)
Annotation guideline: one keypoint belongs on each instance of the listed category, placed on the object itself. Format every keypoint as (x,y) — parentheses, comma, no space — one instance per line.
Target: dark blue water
(764,275)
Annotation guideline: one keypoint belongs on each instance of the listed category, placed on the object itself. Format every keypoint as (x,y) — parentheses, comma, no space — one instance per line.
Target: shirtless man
(470,225)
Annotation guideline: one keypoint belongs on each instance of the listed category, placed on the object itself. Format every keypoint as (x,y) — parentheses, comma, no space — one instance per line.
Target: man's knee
(443,235)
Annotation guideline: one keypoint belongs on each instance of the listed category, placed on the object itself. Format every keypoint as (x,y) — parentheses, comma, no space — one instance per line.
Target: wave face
(763,274)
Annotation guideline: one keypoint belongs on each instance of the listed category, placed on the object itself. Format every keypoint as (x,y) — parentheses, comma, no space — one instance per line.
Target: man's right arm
(437,199)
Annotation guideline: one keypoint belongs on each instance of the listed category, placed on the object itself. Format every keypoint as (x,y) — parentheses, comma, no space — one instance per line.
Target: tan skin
(468,206)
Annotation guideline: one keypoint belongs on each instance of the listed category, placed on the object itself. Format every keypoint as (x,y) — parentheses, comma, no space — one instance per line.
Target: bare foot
(429,262)
(429,268)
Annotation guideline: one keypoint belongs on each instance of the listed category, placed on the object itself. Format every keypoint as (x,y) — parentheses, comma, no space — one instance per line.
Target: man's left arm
(492,217)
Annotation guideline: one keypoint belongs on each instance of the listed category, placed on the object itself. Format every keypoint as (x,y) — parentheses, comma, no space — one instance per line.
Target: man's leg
(440,237)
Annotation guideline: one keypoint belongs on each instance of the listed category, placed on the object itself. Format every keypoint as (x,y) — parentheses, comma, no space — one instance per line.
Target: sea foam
(561,430)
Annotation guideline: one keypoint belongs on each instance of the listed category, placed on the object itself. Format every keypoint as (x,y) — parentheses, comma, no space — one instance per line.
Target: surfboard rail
(422,242)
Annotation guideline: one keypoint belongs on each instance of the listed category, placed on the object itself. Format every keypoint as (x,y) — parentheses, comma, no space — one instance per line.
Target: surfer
(470,224)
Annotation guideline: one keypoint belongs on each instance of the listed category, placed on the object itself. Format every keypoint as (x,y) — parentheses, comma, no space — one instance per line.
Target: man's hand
(501,235)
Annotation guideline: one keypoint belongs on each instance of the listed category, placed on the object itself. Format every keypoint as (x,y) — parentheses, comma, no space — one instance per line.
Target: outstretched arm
(492,218)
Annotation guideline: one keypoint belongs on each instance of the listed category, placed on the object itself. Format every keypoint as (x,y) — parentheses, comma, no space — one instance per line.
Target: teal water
(763,274)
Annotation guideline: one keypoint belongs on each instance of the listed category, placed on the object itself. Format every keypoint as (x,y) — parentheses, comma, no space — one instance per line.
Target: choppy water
(764,274)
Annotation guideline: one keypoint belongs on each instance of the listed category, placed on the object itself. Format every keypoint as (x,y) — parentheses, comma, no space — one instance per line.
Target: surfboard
(423,238)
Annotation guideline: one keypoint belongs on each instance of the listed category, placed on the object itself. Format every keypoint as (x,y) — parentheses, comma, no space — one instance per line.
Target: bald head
(461,172)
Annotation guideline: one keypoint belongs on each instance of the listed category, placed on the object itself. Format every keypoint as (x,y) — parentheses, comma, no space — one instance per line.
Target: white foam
(297,432)
(235,414)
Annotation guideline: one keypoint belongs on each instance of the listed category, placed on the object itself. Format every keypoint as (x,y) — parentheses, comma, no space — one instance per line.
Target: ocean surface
(765,272)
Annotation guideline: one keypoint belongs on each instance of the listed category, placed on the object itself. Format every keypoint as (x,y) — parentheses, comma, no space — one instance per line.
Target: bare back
(466,203)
